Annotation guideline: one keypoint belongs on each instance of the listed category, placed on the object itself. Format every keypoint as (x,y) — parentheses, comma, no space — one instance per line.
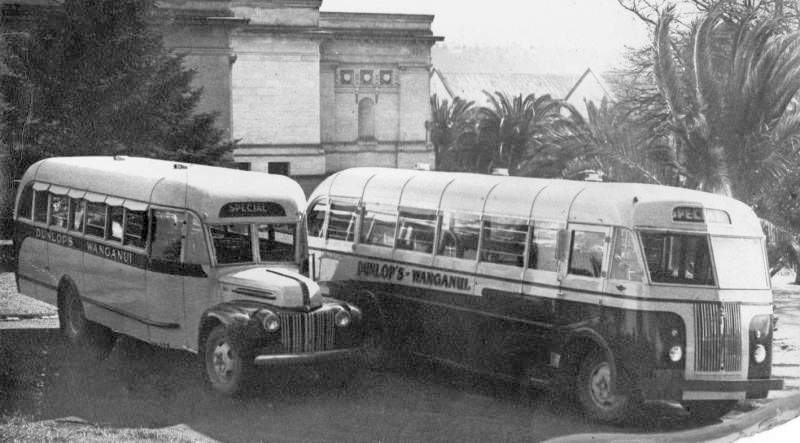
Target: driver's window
(625,262)
(586,257)
(166,231)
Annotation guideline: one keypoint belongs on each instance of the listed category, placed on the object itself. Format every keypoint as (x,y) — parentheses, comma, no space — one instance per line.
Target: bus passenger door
(626,273)
(494,325)
(165,277)
(583,283)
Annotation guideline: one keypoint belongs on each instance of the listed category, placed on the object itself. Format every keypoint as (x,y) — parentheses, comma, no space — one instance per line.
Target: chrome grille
(718,343)
(307,332)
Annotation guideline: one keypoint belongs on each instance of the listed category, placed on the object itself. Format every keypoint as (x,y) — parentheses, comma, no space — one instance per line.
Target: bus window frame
(355,220)
(505,221)
(639,231)
(607,230)
(37,192)
(324,228)
(149,243)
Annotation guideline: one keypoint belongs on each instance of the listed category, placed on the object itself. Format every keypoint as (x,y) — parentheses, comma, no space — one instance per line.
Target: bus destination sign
(688,214)
(700,215)
(252,209)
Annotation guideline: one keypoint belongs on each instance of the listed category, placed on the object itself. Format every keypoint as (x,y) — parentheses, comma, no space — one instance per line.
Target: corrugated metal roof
(470,86)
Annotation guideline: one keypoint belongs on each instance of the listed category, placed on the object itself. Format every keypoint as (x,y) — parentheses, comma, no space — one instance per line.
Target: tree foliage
(96,79)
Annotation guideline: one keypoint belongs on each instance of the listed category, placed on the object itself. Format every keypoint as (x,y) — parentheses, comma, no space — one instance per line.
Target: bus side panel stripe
(108,252)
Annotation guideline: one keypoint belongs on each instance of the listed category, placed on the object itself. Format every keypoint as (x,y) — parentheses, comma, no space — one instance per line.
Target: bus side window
(377,227)
(115,219)
(625,263)
(25,202)
(59,211)
(95,219)
(196,249)
(76,213)
(586,257)
(135,228)
(40,204)
(166,235)
(459,238)
(504,243)
(416,232)
(341,223)
(542,254)
(316,219)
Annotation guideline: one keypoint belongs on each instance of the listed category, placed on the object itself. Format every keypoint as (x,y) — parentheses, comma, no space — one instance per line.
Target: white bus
(622,292)
(184,256)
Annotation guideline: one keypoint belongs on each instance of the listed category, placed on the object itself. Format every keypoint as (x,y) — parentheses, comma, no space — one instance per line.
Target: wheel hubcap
(223,361)
(600,385)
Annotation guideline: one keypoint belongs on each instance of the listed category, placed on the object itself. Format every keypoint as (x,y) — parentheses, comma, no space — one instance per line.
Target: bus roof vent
(120,157)
(500,171)
(179,166)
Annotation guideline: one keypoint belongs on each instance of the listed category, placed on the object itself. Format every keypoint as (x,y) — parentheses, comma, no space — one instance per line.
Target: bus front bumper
(670,385)
(307,358)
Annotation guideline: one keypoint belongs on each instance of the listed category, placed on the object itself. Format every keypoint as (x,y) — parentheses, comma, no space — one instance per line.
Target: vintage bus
(184,256)
(622,292)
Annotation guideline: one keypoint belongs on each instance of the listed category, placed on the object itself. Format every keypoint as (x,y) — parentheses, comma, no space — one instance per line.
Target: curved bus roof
(203,189)
(543,200)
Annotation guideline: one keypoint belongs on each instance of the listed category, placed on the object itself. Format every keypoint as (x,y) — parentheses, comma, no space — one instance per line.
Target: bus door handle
(621,287)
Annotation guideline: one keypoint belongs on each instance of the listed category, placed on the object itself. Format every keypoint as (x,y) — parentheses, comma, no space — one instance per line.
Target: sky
(563,34)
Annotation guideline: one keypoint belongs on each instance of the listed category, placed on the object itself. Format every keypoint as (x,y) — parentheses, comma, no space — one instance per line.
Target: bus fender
(239,319)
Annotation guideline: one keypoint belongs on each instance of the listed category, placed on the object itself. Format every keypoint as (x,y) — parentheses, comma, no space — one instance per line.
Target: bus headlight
(342,319)
(270,322)
(675,353)
(759,353)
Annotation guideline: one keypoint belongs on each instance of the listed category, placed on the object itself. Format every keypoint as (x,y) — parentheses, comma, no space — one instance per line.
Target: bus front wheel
(602,397)
(96,338)
(227,366)
(709,410)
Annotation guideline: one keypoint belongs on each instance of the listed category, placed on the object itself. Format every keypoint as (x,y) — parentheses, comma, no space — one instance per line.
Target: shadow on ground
(143,386)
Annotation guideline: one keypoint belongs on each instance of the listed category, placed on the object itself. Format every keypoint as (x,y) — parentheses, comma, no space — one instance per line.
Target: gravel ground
(13,304)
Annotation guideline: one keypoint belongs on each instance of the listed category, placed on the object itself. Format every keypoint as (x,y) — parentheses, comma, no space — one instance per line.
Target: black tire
(228,368)
(709,410)
(93,338)
(593,391)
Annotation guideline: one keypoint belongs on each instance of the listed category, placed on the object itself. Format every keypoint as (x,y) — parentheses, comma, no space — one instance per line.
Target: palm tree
(732,121)
(620,150)
(525,134)
(448,122)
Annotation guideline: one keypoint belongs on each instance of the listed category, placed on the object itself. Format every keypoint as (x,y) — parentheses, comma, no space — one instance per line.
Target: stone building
(305,92)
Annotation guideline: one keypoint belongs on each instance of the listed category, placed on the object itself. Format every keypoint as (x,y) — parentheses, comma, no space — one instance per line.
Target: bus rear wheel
(709,410)
(602,397)
(97,339)
(227,366)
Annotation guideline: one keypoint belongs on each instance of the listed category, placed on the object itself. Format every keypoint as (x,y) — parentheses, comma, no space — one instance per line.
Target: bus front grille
(307,332)
(718,343)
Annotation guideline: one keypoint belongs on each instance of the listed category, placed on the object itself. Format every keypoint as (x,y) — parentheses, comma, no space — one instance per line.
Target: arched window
(366,119)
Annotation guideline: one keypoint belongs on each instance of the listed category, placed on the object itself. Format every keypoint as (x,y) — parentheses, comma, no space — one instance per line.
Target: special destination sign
(252,209)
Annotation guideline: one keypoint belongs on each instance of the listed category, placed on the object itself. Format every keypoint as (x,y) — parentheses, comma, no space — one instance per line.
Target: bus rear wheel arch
(96,339)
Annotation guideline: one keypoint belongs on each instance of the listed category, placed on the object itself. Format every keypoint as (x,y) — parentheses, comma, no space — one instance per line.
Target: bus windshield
(678,258)
(233,242)
(740,262)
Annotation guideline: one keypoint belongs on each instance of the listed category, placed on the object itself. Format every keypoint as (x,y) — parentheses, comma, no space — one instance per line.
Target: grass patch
(18,428)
